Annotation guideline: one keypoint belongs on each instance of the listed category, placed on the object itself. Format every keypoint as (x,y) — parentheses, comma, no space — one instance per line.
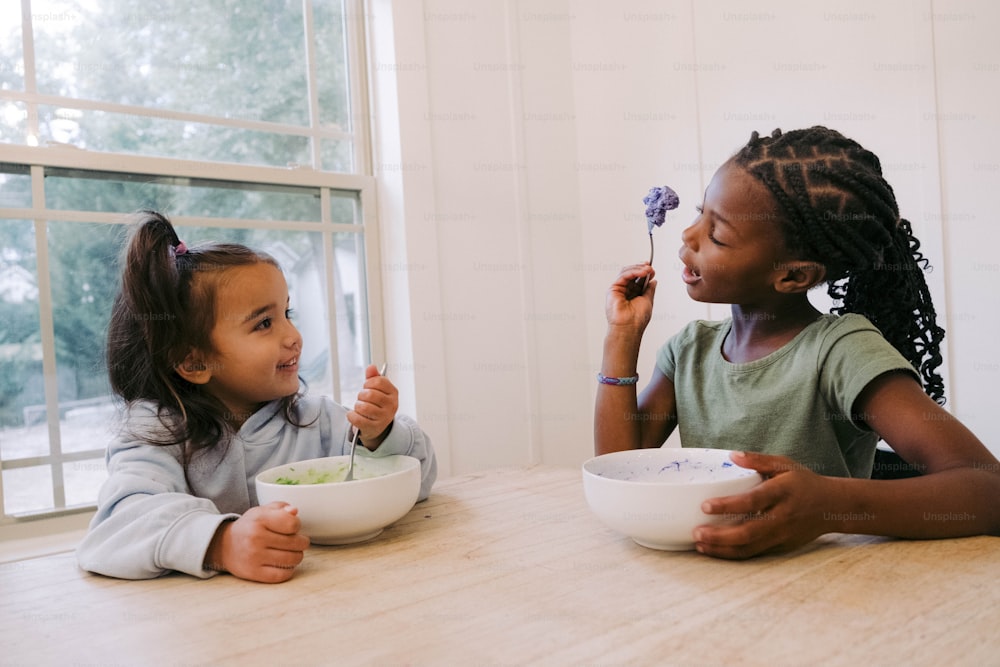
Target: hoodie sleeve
(147,522)
(407,438)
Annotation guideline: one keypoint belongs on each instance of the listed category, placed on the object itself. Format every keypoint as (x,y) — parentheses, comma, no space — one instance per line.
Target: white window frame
(26,536)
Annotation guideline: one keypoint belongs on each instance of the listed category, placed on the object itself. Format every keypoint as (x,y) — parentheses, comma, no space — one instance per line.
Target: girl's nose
(293,338)
(689,236)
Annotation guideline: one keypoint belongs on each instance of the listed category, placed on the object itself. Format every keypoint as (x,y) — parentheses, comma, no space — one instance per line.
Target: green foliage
(222,58)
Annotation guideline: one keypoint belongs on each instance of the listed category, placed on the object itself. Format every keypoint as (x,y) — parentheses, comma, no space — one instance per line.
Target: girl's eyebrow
(265,309)
(712,212)
(257,313)
(718,217)
(721,218)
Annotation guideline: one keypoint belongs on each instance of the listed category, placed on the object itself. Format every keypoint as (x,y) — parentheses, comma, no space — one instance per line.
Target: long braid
(839,211)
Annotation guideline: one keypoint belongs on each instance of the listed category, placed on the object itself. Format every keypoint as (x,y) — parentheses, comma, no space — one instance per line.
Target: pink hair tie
(180,248)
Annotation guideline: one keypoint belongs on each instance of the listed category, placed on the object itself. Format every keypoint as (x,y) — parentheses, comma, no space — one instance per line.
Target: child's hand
(781,514)
(375,408)
(262,545)
(636,312)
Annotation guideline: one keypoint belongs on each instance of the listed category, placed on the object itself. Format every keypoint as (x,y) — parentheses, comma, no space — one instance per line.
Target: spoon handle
(638,286)
(354,438)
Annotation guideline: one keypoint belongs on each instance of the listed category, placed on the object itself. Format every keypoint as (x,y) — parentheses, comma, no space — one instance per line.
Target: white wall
(515,140)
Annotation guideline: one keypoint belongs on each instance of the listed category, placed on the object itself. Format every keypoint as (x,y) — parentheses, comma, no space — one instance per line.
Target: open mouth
(289,365)
(689,275)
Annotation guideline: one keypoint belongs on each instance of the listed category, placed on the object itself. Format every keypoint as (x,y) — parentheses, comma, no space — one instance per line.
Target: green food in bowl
(313,476)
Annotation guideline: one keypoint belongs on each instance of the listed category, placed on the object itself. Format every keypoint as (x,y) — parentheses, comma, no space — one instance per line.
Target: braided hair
(840,212)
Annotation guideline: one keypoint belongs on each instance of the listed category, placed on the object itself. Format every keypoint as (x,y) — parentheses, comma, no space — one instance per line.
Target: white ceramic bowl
(337,512)
(654,495)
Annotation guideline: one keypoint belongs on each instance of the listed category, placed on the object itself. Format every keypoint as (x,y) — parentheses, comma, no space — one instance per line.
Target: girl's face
(734,251)
(255,355)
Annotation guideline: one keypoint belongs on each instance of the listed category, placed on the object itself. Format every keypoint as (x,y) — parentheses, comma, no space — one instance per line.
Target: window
(240,121)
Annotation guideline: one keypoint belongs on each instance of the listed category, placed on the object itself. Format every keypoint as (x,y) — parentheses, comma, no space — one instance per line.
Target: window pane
(337,155)
(124,193)
(22,394)
(344,208)
(89,424)
(145,135)
(13,121)
(83,260)
(214,57)
(11,51)
(15,187)
(83,479)
(27,489)
(352,313)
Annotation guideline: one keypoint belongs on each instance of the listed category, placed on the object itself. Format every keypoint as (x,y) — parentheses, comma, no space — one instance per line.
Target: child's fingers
(365,413)
(376,403)
(269,575)
(377,387)
(651,288)
(748,527)
(739,541)
(280,518)
(629,274)
(767,465)
(757,500)
(287,553)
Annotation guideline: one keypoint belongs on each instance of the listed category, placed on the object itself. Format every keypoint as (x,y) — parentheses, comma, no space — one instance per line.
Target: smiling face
(734,251)
(255,347)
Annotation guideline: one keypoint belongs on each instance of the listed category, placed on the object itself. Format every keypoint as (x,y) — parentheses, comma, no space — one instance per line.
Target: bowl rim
(412,464)
(658,451)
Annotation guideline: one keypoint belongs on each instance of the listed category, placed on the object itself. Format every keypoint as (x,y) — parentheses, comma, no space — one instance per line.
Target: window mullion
(329,265)
(373,324)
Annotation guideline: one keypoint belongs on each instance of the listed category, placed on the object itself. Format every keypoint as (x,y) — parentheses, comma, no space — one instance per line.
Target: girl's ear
(800,276)
(194,368)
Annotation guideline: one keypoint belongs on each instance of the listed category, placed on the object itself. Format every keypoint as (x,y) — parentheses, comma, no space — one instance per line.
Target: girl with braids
(802,396)
(202,349)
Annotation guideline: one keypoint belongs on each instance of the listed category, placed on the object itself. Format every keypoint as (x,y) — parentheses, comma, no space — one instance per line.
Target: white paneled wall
(515,140)
(968,125)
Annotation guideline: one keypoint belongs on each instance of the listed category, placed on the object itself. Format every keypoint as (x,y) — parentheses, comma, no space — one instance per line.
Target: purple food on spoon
(658,202)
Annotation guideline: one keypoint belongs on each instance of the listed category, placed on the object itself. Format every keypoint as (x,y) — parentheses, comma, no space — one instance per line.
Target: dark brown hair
(164,310)
(838,210)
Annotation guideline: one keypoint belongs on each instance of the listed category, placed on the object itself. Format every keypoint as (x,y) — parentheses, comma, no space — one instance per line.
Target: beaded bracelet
(604,379)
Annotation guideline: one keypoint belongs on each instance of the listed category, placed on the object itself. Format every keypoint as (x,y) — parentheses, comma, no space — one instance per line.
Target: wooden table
(510,567)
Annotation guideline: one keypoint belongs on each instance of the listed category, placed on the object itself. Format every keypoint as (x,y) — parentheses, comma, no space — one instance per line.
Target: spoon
(638,286)
(354,441)
(659,200)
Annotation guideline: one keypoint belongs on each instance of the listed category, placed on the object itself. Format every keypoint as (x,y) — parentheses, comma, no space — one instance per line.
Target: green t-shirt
(796,401)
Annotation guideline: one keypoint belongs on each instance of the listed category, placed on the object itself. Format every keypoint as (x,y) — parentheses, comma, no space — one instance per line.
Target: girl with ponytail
(801,396)
(202,349)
